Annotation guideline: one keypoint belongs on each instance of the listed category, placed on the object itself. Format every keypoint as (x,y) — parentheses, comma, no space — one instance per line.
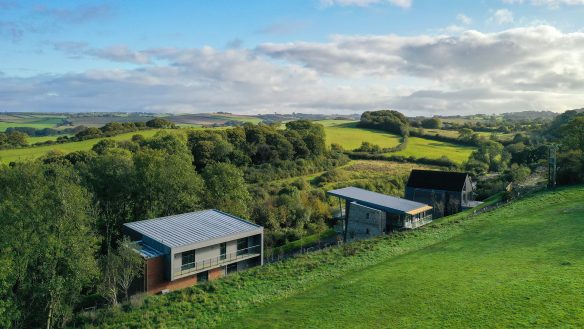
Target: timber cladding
(156,282)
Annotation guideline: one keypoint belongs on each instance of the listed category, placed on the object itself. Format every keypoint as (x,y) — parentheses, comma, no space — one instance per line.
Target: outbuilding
(447,192)
(366,214)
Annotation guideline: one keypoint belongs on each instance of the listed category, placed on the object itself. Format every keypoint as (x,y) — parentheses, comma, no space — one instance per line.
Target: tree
(131,263)
(166,184)
(119,269)
(387,120)
(225,189)
(47,237)
(432,123)
(112,180)
(160,123)
(465,134)
(573,134)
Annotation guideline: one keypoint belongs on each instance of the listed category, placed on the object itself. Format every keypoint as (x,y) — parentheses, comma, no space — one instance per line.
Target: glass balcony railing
(415,223)
(219,260)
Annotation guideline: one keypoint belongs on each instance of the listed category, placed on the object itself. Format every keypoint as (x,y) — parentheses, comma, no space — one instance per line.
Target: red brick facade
(156,282)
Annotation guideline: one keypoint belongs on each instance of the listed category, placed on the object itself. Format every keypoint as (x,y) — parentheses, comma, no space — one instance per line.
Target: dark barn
(447,192)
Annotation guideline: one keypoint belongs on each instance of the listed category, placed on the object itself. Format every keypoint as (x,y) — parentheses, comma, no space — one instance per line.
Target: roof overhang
(419,210)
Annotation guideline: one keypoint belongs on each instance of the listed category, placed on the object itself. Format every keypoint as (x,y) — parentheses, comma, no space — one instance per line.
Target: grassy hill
(349,136)
(519,266)
(29,153)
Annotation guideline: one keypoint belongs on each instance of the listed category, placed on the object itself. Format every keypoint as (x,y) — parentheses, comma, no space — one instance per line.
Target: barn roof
(380,201)
(437,180)
(190,228)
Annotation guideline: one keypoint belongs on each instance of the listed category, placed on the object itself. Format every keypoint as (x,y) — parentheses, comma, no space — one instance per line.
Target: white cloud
(516,69)
(463,19)
(549,3)
(365,3)
(501,17)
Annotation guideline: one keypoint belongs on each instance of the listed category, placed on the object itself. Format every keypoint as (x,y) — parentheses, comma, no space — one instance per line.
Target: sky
(420,57)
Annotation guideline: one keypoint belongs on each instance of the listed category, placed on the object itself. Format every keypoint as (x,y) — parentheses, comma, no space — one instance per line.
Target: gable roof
(437,180)
(190,228)
(380,201)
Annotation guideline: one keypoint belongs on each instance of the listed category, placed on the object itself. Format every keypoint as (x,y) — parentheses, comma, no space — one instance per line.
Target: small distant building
(182,250)
(447,192)
(366,214)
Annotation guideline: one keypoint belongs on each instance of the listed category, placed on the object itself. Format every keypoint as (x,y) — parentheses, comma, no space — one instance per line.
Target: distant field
(210,118)
(454,133)
(426,148)
(33,140)
(36,121)
(349,136)
(28,153)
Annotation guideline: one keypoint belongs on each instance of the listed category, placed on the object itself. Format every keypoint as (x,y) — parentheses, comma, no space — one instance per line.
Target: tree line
(63,246)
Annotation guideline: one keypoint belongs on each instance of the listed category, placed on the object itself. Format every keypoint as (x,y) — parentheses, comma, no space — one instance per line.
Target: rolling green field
(520,266)
(38,122)
(28,153)
(426,148)
(349,136)
(454,134)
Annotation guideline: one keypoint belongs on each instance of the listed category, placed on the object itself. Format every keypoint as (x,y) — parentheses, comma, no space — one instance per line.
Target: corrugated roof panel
(185,229)
(377,199)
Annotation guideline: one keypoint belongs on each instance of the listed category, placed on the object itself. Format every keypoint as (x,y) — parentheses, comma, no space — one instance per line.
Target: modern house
(366,214)
(184,249)
(447,192)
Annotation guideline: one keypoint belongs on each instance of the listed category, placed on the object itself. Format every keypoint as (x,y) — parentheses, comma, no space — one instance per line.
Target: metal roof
(437,180)
(379,201)
(186,229)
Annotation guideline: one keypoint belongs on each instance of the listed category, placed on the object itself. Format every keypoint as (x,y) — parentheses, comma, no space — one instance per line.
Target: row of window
(188,257)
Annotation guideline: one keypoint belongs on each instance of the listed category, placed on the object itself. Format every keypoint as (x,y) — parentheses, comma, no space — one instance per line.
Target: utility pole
(552,166)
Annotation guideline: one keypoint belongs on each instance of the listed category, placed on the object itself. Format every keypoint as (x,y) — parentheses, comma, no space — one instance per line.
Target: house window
(188,259)
(242,246)
(203,276)
(223,251)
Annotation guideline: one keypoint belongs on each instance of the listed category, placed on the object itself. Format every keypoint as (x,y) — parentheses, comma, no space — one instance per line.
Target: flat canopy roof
(380,201)
(190,228)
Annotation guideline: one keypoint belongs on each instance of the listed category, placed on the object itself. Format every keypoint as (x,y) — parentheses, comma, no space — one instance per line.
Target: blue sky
(418,56)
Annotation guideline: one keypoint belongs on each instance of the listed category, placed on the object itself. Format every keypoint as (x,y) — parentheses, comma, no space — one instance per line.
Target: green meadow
(33,152)
(38,122)
(349,136)
(427,148)
(520,266)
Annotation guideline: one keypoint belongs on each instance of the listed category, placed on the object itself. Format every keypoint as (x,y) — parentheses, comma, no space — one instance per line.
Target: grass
(426,148)
(511,268)
(30,153)
(349,136)
(305,241)
(38,123)
(33,140)
(454,134)
(519,266)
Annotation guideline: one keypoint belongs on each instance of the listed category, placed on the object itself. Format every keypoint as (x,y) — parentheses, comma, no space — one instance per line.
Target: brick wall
(156,282)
